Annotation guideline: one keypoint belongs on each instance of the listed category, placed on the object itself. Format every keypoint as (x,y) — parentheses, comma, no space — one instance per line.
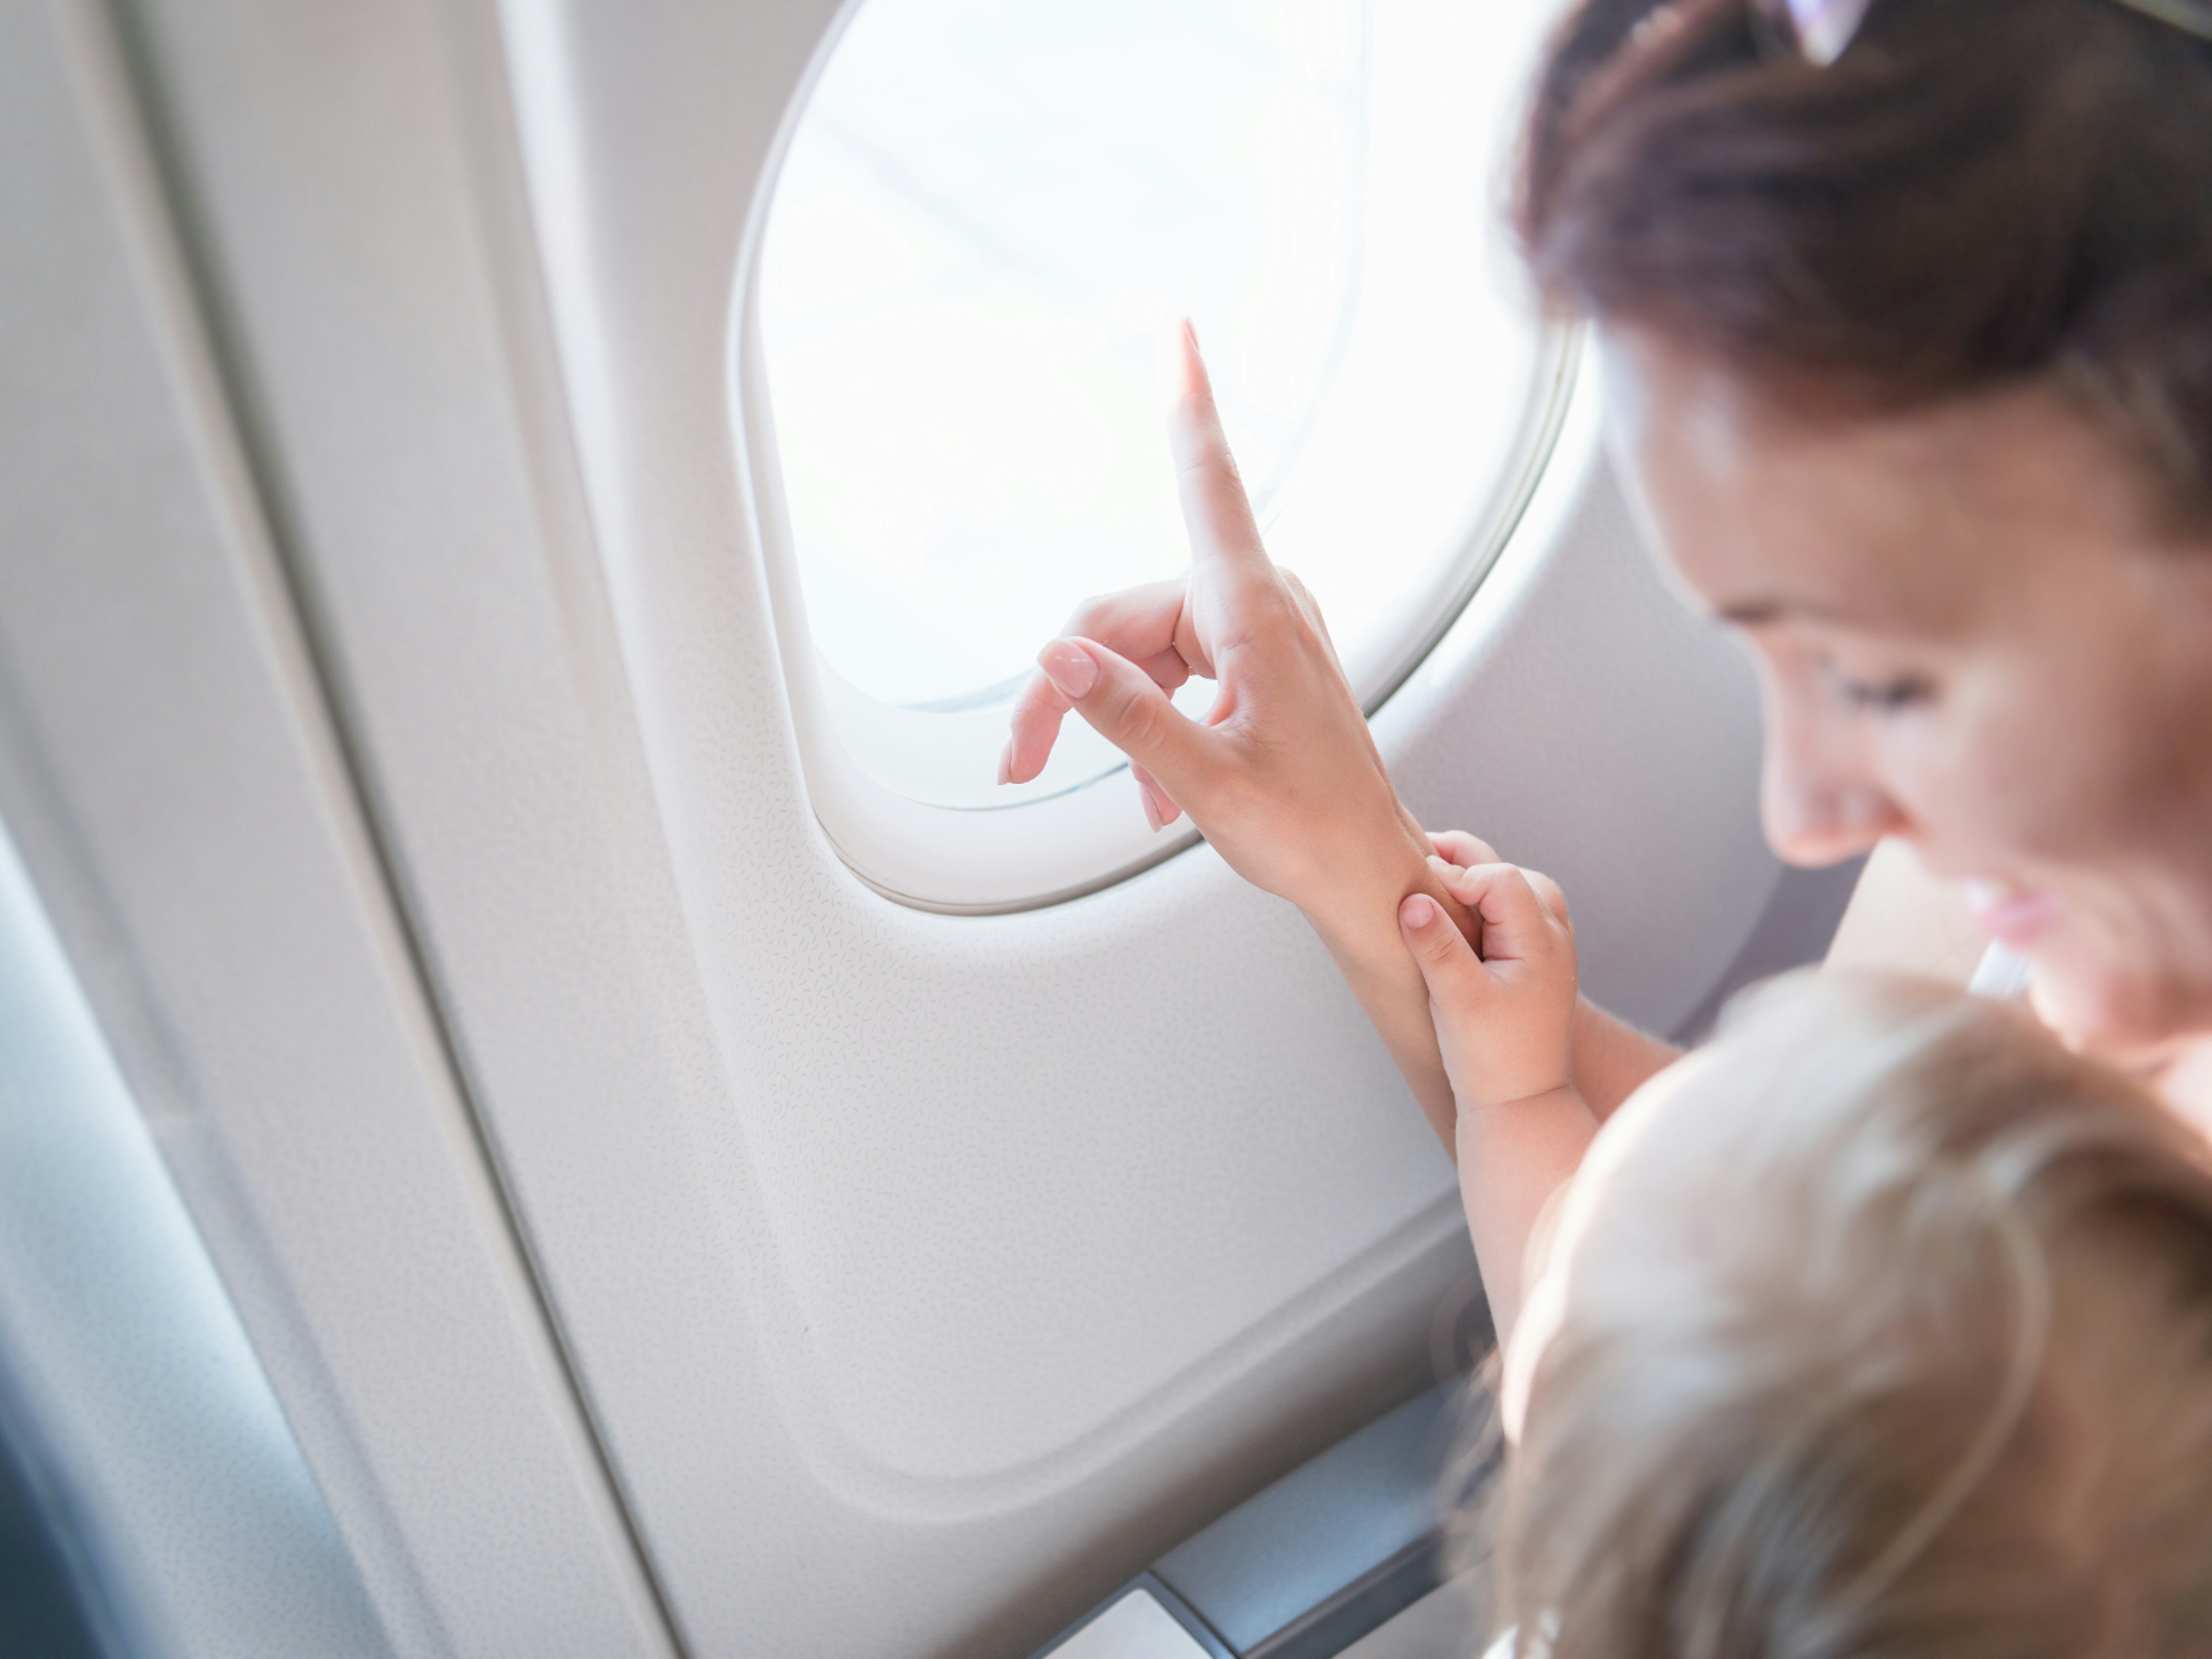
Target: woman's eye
(1884,697)
(1877,696)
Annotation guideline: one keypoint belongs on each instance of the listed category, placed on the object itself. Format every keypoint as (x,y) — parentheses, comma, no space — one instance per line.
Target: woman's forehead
(1771,509)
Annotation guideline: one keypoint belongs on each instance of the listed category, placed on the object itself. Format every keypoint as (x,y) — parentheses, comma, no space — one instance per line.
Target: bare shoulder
(1902,920)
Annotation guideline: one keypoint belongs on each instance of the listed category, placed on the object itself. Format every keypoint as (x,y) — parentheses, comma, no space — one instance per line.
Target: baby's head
(1883,1326)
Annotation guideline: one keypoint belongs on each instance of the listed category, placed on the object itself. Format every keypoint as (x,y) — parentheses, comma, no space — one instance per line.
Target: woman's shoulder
(1903,921)
(2185,1083)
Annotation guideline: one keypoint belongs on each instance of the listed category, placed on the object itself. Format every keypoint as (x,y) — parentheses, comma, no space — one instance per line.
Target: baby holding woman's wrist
(1505,1020)
(1881,1324)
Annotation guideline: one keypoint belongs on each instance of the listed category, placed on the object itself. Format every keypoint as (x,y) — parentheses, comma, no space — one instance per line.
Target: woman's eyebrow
(1750,613)
(1756,612)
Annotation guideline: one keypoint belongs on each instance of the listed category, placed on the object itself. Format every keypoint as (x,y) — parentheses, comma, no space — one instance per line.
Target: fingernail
(1170,366)
(1069,667)
(1417,911)
(1006,762)
(1179,362)
(1443,866)
(1152,808)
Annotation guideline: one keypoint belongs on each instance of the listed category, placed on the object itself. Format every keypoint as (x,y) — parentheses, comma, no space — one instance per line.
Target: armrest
(1309,1565)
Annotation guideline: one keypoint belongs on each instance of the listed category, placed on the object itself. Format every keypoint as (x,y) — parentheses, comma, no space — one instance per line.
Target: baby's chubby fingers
(1554,901)
(1458,847)
(1454,973)
(1504,1020)
(1518,926)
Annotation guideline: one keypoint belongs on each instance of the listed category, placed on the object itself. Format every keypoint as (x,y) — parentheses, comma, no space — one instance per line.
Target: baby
(1882,1325)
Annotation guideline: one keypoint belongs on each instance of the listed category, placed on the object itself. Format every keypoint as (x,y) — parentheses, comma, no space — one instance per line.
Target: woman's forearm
(1359,925)
(1389,988)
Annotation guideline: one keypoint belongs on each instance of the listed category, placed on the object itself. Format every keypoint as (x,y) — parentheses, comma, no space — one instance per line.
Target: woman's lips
(2012,915)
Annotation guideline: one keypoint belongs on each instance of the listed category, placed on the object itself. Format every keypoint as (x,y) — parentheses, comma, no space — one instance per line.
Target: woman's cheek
(1975,773)
(2098,1001)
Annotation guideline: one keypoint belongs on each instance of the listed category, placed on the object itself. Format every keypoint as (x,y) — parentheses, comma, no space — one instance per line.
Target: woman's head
(1888,1328)
(1912,363)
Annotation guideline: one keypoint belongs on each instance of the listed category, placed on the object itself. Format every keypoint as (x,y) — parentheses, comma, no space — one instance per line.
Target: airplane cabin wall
(917,1276)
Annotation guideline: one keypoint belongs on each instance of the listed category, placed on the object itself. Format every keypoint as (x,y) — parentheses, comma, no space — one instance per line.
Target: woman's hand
(1282,776)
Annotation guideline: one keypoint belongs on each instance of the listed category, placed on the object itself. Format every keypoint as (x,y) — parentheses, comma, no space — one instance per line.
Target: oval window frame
(1053,842)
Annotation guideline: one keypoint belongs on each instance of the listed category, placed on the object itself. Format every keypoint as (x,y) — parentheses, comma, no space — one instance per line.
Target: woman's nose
(1818,813)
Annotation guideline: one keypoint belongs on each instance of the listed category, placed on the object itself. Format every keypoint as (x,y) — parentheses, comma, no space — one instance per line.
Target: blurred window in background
(992,211)
(153,1501)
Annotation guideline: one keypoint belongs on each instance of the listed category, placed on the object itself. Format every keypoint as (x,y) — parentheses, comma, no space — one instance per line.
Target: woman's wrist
(1355,913)
(1354,903)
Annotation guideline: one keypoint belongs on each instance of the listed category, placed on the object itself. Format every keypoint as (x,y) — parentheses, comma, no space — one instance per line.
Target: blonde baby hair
(1890,1333)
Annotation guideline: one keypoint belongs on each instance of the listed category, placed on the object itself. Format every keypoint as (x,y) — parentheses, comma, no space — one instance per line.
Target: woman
(1908,339)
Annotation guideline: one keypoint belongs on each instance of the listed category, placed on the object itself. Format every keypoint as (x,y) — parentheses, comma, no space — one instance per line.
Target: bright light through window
(991,212)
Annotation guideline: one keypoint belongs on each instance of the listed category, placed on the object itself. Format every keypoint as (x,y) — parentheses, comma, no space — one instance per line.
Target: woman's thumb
(1126,707)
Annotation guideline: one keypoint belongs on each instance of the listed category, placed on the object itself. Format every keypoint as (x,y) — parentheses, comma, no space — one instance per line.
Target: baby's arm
(1506,1025)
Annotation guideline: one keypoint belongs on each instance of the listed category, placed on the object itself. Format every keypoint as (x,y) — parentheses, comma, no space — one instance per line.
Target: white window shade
(990,215)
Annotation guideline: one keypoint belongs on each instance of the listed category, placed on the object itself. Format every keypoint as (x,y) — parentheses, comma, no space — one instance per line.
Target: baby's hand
(1504,1020)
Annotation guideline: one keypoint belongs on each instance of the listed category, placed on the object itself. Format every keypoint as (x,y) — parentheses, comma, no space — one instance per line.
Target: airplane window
(152,1497)
(991,212)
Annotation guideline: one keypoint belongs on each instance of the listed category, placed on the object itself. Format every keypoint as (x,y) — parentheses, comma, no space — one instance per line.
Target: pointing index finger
(1215,508)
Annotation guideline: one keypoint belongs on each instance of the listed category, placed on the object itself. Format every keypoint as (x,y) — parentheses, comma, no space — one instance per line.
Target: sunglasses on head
(1820,30)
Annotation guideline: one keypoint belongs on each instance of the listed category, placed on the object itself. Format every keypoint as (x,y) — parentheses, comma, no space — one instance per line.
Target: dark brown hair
(1979,194)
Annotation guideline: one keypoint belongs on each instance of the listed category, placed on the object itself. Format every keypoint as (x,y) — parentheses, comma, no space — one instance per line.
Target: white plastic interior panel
(167,770)
(923,1275)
